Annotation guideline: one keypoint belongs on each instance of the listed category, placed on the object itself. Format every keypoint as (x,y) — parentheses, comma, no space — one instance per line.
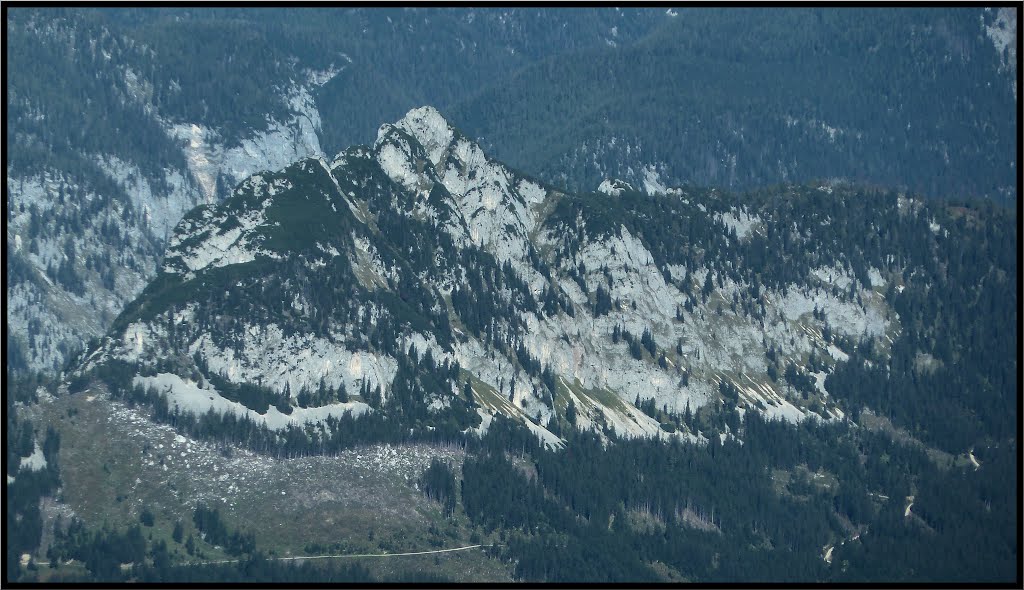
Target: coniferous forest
(630,295)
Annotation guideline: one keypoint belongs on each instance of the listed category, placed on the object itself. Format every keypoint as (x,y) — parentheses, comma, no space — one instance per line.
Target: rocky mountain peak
(430,129)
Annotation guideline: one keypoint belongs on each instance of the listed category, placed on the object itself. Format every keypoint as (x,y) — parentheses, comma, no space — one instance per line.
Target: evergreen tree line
(719,516)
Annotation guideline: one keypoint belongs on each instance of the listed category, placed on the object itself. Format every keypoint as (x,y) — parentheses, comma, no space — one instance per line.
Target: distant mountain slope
(102,166)
(917,98)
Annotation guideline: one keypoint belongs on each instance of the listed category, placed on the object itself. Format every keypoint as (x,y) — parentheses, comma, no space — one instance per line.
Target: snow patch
(875,276)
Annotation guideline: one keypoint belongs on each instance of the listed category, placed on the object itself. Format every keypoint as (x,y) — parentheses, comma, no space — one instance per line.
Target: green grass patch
(588,398)
(487,396)
(336,503)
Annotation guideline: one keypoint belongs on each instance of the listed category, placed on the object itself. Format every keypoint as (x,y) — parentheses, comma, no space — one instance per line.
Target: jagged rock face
(498,210)
(334,272)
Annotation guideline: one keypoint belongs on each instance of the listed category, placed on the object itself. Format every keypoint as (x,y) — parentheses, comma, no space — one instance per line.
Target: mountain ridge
(547,339)
(172,122)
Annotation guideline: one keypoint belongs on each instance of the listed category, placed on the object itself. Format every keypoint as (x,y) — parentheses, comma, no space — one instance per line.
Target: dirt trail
(303,557)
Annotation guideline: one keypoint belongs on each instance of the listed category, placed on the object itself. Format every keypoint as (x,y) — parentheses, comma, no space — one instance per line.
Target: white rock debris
(295,362)
(742,222)
(282,143)
(652,182)
(614,187)
(34,462)
(187,397)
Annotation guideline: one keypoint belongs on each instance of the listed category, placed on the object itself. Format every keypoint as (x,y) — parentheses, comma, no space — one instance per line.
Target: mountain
(342,276)
(422,241)
(412,345)
(145,113)
(673,294)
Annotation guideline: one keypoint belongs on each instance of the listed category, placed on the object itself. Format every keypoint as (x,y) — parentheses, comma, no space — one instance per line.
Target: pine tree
(709,286)
(647,340)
